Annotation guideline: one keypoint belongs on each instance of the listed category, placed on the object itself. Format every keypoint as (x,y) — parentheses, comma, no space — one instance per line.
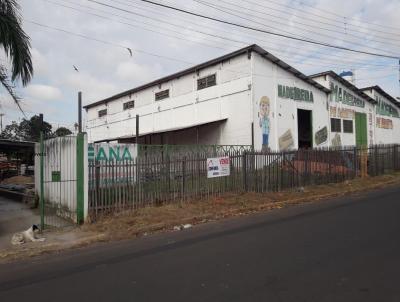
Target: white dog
(26,236)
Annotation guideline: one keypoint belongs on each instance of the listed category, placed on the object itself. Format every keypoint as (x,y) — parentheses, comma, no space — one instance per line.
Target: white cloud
(40,64)
(106,69)
(92,87)
(133,72)
(43,92)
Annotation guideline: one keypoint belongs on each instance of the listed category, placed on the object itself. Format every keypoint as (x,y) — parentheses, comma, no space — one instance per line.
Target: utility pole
(79,112)
(1,122)
(41,121)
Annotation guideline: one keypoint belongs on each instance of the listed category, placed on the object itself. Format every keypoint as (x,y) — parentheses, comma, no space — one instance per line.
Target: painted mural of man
(264,121)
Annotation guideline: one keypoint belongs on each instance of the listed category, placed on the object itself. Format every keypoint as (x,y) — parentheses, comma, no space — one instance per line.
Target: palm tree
(16,45)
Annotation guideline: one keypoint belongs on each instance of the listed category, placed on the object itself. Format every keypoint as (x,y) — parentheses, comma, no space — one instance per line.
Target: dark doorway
(304,128)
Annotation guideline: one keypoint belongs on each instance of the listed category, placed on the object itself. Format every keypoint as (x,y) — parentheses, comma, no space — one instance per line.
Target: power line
(182,37)
(223,9)
(256,29)
(107,42)
(205,26)
(137,50)
(338,16)
(301,23)
(342,22)
(227,32)
(134,49)
(204,33)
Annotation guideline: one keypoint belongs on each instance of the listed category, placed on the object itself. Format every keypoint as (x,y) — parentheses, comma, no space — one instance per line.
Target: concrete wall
(283,111)
(387,127)
(186,107)
(61,195)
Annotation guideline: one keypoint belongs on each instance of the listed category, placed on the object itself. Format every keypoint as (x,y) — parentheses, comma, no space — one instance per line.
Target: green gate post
(80,139)
(41,154)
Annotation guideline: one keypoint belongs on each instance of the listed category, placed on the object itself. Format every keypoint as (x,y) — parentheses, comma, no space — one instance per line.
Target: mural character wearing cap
(264,121)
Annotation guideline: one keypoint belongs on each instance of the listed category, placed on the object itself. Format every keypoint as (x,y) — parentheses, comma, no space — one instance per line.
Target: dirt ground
(15,216)
(19,180)
(148,220)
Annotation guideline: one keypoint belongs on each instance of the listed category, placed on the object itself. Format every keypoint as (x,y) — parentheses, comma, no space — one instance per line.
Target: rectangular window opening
(336,125)
(102,112)
(162,95)
(129,105)
(205,82)
(347,126)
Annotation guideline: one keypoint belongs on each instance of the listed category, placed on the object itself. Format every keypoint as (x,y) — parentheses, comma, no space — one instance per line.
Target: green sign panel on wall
(56,176)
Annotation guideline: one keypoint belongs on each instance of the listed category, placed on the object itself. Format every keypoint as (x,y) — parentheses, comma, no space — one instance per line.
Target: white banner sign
(218,166)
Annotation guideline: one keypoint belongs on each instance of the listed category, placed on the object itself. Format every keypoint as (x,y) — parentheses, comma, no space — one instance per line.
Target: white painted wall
(385,136)
(348,139)
(186,107)
(225,112)
(283,112)
(60,155)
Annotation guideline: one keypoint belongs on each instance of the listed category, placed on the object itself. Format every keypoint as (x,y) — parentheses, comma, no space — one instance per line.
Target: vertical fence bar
(41,148)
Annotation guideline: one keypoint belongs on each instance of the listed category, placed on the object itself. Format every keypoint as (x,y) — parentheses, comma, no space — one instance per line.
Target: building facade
(351,112)
(387,116)
(248,97)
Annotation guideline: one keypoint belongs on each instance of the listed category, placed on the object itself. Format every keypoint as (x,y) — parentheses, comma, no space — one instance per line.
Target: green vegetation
(16,45)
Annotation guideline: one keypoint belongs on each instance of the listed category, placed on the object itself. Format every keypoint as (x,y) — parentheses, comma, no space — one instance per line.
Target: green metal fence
(154,180)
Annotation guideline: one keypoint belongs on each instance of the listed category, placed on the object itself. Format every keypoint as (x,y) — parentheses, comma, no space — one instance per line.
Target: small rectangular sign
(56,176)
(218,167)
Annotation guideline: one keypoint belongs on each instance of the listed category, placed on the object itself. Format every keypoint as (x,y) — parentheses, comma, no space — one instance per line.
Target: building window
(102,112)
(129,105)
(162,95)
(336,125)
(205,82)
(347,126)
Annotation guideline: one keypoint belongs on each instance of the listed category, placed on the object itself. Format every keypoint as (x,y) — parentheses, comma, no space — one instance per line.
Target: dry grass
(157,219)
(151,219)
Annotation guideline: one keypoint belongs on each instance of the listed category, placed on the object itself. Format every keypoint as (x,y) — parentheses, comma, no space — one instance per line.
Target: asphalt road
(346,249)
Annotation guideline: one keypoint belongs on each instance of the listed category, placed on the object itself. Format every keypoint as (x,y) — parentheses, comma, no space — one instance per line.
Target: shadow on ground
(15,217)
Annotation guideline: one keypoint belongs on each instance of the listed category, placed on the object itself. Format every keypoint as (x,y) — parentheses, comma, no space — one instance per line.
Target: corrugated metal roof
(251,48)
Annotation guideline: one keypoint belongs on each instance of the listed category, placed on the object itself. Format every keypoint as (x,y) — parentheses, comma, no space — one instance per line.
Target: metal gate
(62,163)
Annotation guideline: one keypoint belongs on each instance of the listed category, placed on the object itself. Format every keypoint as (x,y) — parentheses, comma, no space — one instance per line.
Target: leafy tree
(28,130)
(16,45)
(62,131)
(11,131)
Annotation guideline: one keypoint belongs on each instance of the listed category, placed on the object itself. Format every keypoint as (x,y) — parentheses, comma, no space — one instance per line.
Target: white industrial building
(247,97)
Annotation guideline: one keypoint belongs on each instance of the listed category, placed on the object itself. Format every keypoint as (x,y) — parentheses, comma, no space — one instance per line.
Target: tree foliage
(62,131)
(27,130)
(16,45)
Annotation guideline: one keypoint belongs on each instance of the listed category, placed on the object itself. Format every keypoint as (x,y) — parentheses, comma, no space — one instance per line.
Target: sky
(94,36)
